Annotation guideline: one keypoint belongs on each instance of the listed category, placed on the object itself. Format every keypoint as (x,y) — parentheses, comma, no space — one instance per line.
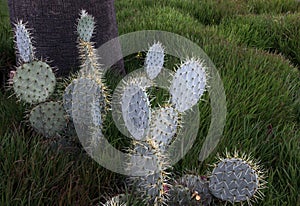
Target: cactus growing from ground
(48,118)
(236,179)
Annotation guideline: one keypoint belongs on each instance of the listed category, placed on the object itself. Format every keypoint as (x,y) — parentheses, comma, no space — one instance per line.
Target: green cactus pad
(188,85)
(234,180)
(48,118)
(23,42)
(34,82)
(86,26)
(136,111)
(163,126)
(154,60)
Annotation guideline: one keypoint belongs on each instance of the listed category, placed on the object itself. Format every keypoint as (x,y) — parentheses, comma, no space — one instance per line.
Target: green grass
(255,47)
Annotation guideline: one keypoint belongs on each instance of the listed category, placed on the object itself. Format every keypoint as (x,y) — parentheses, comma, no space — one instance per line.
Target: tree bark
(54,28)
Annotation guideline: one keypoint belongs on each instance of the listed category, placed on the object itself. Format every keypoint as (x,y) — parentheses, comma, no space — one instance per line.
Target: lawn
(255,46)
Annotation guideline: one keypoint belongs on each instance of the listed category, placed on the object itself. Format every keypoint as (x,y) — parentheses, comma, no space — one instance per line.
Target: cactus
(48,118)
(34,82)
(136,111)
(180,195)
(85,26)
(199,188)
(163,126)
(236,179)
(23,43)
(151,186)
(154,60)
(188,84)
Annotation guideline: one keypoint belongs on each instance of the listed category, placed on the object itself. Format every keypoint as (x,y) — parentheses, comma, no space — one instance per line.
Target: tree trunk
(54,24)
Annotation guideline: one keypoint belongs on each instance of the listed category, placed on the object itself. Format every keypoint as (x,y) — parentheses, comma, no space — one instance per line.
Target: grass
(255,47)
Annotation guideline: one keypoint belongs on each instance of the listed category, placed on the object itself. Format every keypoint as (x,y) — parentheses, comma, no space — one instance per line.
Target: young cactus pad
(235,180)
(163,126)
(154,60)
(136,111)
(85,26)
(188,85)
(48,118)
(23,43)
(34,82)
(198,187)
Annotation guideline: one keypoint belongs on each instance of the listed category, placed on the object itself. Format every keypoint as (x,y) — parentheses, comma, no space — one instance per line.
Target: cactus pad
(154,60)
(136,111)
(48,118)
(163,126)
(234,180)
(198,187)
(86,26)
(23,43)
(188,85)
(34,82)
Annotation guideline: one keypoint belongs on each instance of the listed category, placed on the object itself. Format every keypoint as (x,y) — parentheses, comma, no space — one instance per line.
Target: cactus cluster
(153,129)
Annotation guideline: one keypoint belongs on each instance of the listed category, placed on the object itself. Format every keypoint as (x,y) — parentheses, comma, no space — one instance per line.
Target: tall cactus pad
(188,85)
(163,126)
(88,95)
(48,118)
(34,82)
(234,180)
(198,187)
(23,43)
(136,111)
(86,26)
(154,60)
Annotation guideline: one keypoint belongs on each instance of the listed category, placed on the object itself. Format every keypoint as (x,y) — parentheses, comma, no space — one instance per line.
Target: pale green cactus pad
(180,195)
(34,82)
(85,26)
(48,118)
(163,126)
(188,84)
(154,60)
(136,111)
(23,42)
(234,180)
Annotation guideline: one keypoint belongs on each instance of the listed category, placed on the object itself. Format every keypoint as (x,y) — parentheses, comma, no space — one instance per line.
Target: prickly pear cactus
(163,126)
(85,26)
(23,43)
(198,187)
(48,118)
(34,82)
(236,180)
(67,99)
(154,60)
(136,111)
(188,84)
